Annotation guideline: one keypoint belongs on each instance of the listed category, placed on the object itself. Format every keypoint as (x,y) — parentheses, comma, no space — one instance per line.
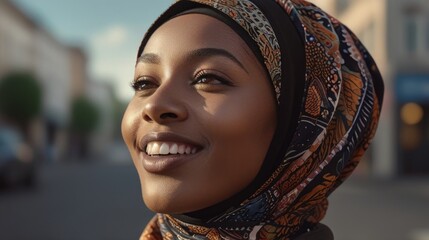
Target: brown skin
(231,121)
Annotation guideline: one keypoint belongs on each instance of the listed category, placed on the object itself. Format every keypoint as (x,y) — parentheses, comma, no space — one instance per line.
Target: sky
(109,31)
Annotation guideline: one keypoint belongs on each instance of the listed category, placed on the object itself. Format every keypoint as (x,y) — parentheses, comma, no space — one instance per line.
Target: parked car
(17,165)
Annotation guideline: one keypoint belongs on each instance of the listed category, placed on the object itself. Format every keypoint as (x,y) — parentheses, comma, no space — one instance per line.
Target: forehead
(193,31)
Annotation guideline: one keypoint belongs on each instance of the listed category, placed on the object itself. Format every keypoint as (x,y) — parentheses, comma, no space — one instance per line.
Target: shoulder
(319,232)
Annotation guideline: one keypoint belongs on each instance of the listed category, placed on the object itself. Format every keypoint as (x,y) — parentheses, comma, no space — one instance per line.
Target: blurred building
(79,71)
(16,32)
(103,96)
(26,46)
(397,35)
(60,69)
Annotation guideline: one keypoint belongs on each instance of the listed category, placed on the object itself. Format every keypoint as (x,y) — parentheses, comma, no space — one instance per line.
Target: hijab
(329,93)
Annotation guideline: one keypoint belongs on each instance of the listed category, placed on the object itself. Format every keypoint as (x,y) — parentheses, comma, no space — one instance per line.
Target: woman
(247,114)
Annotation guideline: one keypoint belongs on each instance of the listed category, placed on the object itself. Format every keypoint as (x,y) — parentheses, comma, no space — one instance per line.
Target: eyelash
(140,84)
(207,75)
(146,83)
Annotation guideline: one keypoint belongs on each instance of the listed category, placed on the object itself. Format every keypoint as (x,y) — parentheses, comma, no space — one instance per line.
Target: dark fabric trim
(176,8)
(292,91)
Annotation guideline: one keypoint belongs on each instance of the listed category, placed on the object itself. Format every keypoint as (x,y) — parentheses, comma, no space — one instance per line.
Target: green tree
(20,98)
(84,116)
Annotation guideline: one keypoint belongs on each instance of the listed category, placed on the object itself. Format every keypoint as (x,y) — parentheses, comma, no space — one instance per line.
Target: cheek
(129,127)
(128,124)
(244,117)
(240,128)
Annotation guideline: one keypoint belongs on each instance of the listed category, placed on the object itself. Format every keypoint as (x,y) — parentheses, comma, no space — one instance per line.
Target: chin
(161,202)
(167,195)
(165,206)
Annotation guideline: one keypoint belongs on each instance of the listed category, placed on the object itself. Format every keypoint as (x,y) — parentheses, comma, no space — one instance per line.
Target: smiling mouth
(157,148)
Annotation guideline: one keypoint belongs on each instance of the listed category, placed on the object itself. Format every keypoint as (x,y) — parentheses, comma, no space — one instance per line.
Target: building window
(412,97)
(416,29)
(413,138)
(411,32)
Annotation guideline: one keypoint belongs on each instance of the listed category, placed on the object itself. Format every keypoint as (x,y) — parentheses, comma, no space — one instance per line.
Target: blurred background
(65,71)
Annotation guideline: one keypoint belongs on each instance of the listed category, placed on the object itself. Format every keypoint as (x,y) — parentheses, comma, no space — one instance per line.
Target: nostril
(147,118)
(168,115)
(164,116)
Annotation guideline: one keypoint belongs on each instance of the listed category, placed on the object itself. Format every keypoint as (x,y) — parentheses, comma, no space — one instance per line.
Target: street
(102,201)
(364,209)
(76,201)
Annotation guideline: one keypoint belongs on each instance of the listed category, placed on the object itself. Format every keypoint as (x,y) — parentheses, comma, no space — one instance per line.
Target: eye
(209,78)
(143,83)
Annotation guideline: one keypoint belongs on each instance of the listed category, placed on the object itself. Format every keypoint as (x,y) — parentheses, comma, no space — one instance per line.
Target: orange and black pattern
(338,119)
(248,16)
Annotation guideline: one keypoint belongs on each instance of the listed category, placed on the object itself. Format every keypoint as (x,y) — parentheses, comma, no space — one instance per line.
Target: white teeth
(155,149)
(181,149)
(173,149)
(163,148)
(149,149)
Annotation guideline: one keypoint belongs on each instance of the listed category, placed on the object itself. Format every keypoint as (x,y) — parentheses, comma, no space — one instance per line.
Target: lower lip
(163,163)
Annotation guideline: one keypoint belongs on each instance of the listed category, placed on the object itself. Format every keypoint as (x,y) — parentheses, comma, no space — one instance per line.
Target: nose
(164,106)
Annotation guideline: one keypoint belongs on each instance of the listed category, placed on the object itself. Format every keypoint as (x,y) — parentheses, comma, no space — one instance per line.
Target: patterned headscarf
(329,94)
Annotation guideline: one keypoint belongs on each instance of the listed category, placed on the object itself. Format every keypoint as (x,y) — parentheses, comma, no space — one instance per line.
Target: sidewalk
(370,209)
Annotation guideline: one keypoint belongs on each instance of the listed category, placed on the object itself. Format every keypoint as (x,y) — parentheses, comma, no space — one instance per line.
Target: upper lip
(165,137)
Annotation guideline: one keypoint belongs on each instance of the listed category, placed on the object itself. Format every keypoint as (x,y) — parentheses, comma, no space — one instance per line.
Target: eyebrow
(149,58)
(152,58)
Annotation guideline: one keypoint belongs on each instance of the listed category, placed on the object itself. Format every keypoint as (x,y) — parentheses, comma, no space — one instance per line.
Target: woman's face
(202,117)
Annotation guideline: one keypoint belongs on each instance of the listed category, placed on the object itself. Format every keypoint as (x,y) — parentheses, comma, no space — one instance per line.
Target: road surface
(102,201)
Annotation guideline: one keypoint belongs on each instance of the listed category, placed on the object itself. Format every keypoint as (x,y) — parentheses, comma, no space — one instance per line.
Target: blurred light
(411,113)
